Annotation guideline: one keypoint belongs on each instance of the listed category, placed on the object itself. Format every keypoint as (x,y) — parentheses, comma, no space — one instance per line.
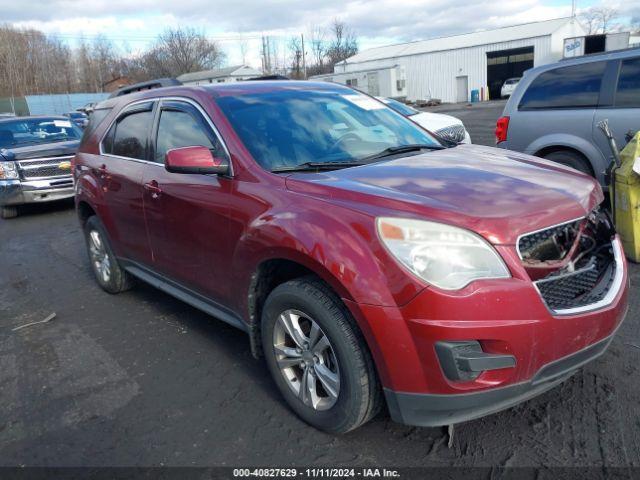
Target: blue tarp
(59,104)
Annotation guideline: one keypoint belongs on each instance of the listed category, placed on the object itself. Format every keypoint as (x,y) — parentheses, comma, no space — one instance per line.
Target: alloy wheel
(306,359)
(99,256)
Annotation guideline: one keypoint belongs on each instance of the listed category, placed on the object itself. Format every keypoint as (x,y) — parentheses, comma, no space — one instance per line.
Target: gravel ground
(143,379)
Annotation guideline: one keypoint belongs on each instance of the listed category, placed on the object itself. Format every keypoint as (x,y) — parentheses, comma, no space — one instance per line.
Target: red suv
(365,259)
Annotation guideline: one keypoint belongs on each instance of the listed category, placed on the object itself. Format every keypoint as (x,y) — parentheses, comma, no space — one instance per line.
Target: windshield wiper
(317,166)
(416,147)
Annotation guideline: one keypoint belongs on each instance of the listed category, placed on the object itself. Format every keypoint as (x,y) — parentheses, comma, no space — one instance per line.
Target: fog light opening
(464,361)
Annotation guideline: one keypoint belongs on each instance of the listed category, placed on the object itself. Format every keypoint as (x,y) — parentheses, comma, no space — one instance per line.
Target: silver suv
(554,111)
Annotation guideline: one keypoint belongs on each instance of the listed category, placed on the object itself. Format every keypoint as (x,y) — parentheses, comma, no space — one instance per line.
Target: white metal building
(383,81)
(236,73)
(449,68)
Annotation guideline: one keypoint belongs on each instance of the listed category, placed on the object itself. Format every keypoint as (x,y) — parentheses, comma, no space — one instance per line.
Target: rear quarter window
(575,86)
(628,89)
(95,119)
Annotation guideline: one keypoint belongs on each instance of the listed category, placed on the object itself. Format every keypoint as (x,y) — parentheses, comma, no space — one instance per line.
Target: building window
(522,57)
(352,82)
(400,84)
(497,60)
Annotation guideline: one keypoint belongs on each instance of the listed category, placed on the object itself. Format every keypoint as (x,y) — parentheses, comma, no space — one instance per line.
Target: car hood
(497,193)
(435,121)
(55,149)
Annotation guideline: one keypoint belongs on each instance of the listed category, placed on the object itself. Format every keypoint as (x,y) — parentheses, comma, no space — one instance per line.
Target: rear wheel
(9,212)
(570,159)
(318,358)
(106,269)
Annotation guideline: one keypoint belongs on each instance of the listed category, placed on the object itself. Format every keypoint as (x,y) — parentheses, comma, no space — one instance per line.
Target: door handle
(153,188)
(102,171)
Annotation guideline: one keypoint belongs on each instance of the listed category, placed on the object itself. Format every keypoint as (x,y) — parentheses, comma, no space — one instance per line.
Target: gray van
(554,111)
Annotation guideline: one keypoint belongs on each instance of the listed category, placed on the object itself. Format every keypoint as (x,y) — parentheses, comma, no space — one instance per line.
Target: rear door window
(628,91)
(575,86)
(128,136)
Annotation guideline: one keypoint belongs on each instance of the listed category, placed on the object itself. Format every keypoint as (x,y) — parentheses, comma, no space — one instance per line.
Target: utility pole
(304,59)
(573,8)
(269,53)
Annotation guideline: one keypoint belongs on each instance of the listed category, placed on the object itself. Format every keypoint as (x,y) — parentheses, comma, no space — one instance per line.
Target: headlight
(445,256)
(8,170)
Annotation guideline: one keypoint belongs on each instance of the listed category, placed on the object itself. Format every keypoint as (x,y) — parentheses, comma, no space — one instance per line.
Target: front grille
(454,133)
(573,265)
(553,241)
(582,287)
(44,167)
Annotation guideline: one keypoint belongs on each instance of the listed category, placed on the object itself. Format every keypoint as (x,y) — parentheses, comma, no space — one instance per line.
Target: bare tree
(318,49)
(599,19)
(31,63)
(244,50)
(607,17)
(344,43)
(181,51)
(589,20)
(295,51)
(106,61)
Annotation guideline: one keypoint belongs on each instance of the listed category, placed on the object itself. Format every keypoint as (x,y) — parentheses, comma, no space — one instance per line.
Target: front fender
(339,245)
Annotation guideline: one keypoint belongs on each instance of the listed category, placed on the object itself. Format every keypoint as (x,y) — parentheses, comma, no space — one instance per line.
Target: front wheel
(8,212)
(318,357)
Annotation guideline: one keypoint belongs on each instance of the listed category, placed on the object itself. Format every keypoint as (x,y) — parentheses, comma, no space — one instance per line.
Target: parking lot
(143,379)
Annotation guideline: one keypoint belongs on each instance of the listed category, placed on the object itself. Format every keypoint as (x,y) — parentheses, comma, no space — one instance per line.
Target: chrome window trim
(611,294)
(542,230)
(160,101)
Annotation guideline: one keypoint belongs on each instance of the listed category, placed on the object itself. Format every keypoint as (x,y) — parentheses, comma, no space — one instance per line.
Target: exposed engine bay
(572,264)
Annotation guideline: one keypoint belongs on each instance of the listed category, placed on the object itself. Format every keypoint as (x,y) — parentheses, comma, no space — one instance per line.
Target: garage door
(504,64)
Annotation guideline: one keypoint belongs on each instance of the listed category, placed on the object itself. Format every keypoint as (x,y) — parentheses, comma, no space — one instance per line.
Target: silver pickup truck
(35,160)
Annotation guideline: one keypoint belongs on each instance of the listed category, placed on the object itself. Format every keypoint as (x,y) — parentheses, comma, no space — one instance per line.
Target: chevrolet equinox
(368,262)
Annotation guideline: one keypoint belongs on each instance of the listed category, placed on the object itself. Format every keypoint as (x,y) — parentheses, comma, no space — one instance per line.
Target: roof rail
(148,85)
(268,77)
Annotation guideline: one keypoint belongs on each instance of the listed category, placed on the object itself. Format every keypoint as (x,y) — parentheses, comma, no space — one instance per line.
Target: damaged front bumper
(18,192)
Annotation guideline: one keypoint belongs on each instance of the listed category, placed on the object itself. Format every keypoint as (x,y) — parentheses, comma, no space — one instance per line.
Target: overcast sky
(133,24)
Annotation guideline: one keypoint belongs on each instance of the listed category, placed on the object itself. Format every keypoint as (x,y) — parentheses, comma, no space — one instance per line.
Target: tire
(570,159)
(357,394)
(8,212)
(113,279)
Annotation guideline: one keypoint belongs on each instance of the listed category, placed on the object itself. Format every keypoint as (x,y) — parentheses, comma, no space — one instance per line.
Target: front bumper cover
(432,410)
(17,192)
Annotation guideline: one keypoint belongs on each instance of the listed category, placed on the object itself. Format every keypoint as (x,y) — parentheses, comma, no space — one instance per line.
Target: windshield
(286,128)
(33,131)
(400,107)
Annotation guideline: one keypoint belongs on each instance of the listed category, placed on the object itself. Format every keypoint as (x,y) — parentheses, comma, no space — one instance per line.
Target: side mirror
(195,160)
